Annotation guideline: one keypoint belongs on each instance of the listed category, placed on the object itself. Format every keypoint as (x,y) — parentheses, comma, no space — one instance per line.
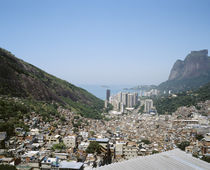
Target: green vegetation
(185,84)
(7,167)
(14,110)
(154,152)
(77,124)
(75,130)
(59,146)
(93,147)
(91,133)
(169,104)
(195,155)
(63,119)
(145,141)
(85,110)
(206,158)
(76,117)
(11,113)
(25,89)
(25,81)
(199,137)
(137,105)
(109,107)
(141,110)
(183,145)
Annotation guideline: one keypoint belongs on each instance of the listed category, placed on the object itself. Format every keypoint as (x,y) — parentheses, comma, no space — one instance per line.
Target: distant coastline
(100,90)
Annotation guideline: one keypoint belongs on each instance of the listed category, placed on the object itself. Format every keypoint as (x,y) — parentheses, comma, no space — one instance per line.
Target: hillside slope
(21,79)
(170,104)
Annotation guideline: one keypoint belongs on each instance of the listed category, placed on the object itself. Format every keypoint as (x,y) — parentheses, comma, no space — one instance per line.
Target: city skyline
(106,42)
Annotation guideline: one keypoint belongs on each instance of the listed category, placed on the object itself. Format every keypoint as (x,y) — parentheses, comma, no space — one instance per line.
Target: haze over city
(105,42)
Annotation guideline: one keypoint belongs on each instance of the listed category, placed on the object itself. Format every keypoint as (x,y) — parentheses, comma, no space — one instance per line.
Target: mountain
(23,80)
(189,74)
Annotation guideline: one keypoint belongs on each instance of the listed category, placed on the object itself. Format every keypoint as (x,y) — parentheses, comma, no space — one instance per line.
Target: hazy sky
(127,42)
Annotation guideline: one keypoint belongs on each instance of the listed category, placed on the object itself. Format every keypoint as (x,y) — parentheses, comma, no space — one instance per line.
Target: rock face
(189,74)
(197,63)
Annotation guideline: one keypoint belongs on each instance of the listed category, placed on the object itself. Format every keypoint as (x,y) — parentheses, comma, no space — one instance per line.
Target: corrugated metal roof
(70,165)
(174,159)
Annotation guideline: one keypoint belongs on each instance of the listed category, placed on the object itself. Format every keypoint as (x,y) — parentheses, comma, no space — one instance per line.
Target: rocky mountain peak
(196,63)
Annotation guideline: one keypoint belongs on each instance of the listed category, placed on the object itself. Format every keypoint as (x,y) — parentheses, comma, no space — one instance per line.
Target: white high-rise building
(148,105)
(121,107)
(105,103)
(116,105)
(119,96)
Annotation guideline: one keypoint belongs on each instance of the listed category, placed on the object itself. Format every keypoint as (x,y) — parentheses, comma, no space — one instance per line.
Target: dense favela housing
(128,138)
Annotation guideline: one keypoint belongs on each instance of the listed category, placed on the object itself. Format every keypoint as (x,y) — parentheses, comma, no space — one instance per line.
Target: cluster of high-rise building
(123,100)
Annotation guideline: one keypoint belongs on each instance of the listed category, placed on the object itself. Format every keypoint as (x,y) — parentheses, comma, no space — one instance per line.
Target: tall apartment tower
(105,103)
(130,100)
(107,94)
(119,96)
(148,105)
(125,99)
(121,107)
(135,99)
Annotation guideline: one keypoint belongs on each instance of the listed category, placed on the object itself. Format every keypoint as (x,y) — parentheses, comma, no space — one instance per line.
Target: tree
(93,147)
(76,117)
(154,152)
(141,110)
(59,146)
(199,137)
(206,158)
(145,141)
(94,164)
(91,133)
(183,145)
(7,167)
(63,119)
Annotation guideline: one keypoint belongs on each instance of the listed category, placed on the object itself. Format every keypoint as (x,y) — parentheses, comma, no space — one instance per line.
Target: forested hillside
(23,80)
(170,103)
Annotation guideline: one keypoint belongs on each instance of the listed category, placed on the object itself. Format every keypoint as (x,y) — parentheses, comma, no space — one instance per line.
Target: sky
(105,42)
